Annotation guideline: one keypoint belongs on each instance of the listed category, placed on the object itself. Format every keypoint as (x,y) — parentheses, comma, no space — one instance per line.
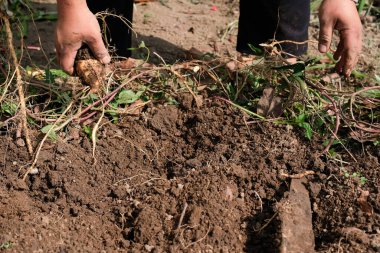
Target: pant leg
(118,35)
(263,20)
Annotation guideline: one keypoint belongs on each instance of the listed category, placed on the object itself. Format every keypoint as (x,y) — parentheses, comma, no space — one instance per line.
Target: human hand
(77,25)
(342,16)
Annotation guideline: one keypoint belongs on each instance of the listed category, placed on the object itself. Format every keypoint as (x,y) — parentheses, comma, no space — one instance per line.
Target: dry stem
(19,81)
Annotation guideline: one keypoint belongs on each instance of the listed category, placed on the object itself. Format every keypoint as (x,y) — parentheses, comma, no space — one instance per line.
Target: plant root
(19,81)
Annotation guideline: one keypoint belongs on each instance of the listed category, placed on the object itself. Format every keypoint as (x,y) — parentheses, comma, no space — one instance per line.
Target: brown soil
(181,178)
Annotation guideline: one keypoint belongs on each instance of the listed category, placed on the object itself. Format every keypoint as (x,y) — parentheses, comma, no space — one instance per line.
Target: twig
(96,127)
(266,224)
(200,239)
(19,81)
(260,200)
(3,123)
(297,176)
(81,120)
(114,92)
(182,216)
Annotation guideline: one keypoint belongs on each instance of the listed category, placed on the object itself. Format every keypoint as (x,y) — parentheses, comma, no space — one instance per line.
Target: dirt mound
(175,180)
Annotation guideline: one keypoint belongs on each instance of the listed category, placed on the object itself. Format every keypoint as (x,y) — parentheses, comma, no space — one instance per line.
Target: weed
(50,130)
(87,130)
(146,18)
(356,176)
(6,245)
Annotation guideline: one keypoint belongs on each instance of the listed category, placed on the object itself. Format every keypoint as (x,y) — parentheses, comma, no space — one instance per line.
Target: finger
(349,63)
(325,34)
(66,61)
(98,49)
(339,51)
(340,63)
(351,43)
(57,52)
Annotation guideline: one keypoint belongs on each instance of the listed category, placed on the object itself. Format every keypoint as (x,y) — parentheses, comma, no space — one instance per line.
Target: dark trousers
(118,34)
(259,22)
(263,20)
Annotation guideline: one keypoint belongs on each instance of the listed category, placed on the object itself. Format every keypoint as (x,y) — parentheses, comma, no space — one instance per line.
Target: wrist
(67,7)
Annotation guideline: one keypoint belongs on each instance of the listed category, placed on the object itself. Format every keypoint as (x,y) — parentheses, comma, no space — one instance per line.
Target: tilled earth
(181,178)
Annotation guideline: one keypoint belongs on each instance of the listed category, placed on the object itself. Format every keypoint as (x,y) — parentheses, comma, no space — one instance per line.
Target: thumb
(325,35)
(99,50)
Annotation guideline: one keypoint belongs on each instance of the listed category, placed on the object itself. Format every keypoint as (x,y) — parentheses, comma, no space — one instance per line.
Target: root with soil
(19,81)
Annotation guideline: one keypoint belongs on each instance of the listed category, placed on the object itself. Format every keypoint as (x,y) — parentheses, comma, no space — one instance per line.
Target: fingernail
(322,48)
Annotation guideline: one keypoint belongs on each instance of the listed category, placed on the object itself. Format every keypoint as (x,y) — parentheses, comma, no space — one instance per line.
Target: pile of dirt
(177,179)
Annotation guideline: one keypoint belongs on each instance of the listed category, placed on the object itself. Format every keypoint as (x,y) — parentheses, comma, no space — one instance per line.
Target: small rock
(194,163)
(186,100)
(195,216)
(315,189)
(375,241)
(229,195)
(60,149)
(356,234)
(45,220)
(74,211)
(33,171)
(53,179)
(19,185)
(74,133)
(20,142)
(148,248)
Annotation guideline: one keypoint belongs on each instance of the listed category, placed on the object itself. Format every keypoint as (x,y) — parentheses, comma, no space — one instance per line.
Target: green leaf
(308,130)
(6,245)
(128,96)
(363,180)
(9,107)
(52,134)
(142,44)
(87,130)
(377,78)
(49,77)
(298,68)
(51,74)
(375,93)
(256,50)
(59,73)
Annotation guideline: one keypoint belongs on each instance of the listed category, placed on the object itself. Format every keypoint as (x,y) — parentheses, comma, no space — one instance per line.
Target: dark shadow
(159,48)
(264,228)
(263,231)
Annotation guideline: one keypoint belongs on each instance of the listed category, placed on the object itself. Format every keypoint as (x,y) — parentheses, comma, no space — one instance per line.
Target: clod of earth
(296,218)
